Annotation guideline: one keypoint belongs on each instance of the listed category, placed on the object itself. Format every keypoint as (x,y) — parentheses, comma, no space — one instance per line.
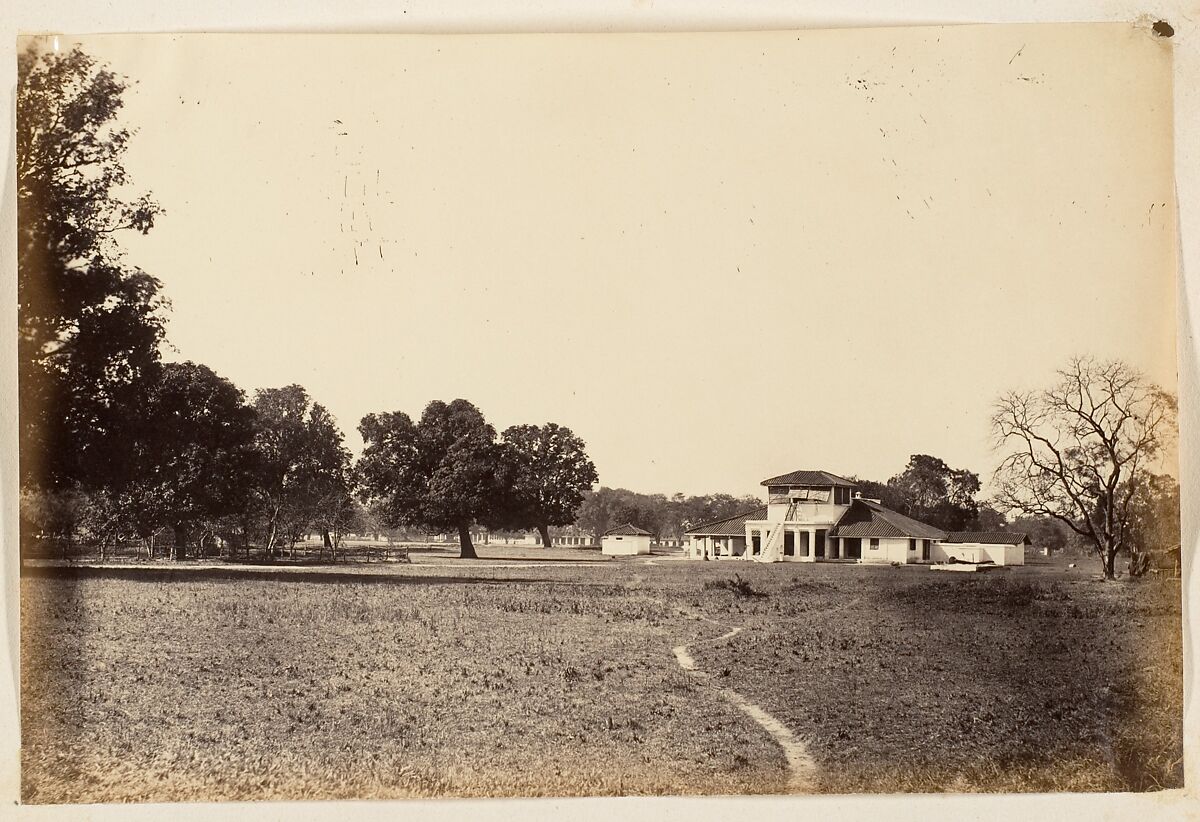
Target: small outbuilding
(998,547)
(625,540)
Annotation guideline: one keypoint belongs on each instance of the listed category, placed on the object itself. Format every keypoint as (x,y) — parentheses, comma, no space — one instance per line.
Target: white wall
(807,513)
(891,549)
(1004,554)
(963,552)
(915,554)
(977,552)
(819,513)
(624,545)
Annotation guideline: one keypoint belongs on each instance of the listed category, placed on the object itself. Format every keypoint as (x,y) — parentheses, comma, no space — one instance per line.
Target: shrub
(737,585)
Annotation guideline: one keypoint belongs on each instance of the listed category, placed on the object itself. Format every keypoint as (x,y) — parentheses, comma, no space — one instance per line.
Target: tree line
(665,517)
(206,463)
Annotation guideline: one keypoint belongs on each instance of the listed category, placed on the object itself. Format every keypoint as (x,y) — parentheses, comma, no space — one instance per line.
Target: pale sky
(714,257)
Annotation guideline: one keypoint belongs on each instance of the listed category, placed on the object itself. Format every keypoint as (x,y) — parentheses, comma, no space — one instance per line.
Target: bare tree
(1078,451)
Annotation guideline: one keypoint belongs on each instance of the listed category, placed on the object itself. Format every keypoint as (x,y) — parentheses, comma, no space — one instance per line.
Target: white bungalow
(816,516)
(624,540)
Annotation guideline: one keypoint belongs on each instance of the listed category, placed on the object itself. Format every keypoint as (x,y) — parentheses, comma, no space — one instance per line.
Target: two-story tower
(802,508)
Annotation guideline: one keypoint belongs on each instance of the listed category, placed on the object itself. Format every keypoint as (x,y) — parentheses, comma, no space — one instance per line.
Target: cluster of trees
(117,445)
(204,462)
(931,491)
(449,471)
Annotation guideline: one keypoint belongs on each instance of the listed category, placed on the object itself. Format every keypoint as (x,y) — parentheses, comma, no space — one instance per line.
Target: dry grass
(558,679)
(253,689)
(973,684)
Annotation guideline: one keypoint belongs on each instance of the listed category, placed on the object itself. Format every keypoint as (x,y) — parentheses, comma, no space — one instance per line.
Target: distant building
(816,516)
(624,540)
(570,538)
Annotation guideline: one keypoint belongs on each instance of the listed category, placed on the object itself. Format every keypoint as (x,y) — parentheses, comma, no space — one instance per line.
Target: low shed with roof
(816,516)
(999,547)
(625,540)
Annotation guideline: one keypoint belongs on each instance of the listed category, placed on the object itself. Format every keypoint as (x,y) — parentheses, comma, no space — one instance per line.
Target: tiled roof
(626,530)
(870,519)
(809,478)
(730,526)
(989,537)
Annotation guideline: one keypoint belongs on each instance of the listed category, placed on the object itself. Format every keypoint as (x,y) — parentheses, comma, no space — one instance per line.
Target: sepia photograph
(444,416)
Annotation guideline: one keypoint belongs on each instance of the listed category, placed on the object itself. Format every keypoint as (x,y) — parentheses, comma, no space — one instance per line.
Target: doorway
(789,544)
(853,547)
(819,550)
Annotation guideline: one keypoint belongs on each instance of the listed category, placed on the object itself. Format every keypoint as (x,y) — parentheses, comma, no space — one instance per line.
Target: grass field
(535,673)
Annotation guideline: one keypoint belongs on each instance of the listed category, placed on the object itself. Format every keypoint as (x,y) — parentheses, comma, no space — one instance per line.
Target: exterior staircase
(772,549)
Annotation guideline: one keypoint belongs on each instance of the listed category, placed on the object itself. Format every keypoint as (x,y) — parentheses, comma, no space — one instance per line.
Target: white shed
(999,547)
(624,540)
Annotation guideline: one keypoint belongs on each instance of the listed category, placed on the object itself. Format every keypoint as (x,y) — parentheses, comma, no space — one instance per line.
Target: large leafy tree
(192,450)
(302,474)
(445,471)
(931,491)
(89,325)
(1080,450)
(606,508)
(937,494)
(597,512)
(550,472)
(1153,524)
